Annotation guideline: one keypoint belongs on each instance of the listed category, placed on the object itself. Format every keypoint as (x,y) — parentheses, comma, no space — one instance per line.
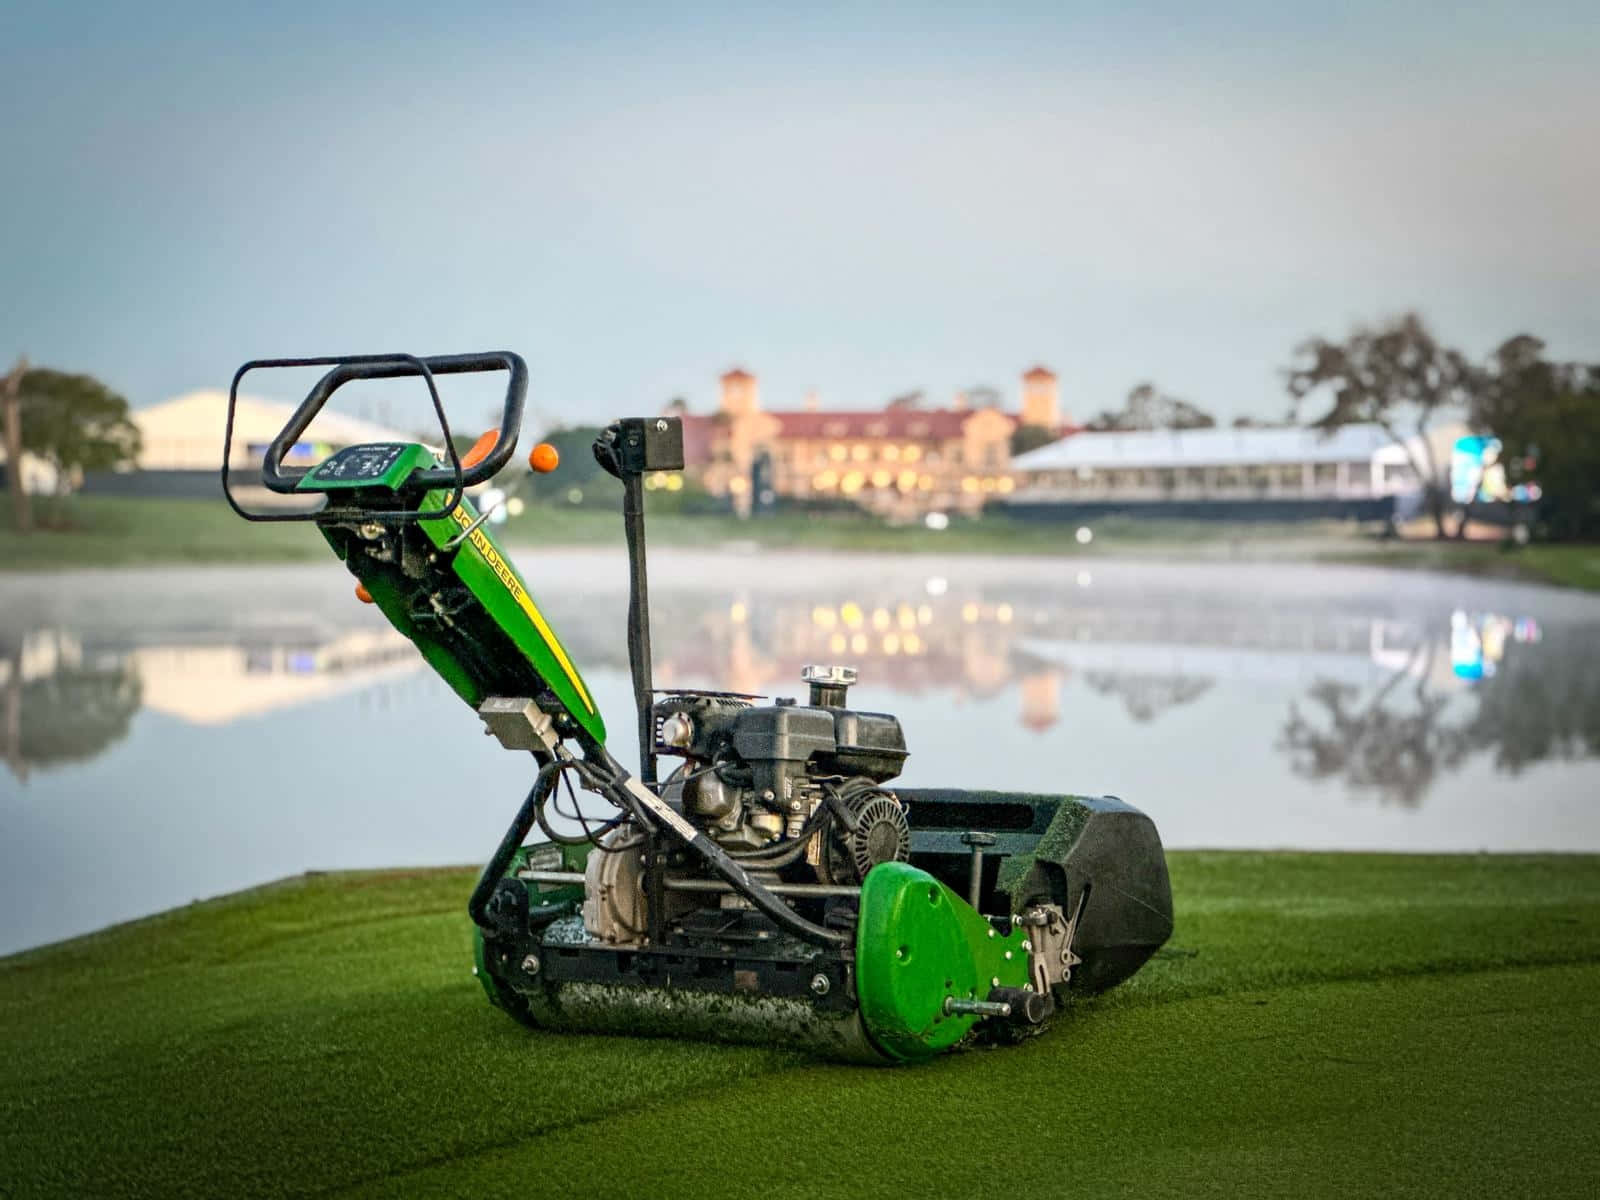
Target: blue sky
(856,200)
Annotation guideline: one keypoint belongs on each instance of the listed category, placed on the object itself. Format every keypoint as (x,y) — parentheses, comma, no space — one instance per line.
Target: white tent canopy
(1205,448)
(185,433)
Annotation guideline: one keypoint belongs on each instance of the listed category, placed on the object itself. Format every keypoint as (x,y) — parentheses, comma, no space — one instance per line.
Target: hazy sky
(860,202)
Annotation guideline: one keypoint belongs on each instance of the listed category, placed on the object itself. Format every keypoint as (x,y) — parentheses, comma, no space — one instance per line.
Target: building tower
(1041,398)
(740,396)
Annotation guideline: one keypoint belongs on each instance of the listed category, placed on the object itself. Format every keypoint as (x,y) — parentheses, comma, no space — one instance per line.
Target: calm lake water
(167,735)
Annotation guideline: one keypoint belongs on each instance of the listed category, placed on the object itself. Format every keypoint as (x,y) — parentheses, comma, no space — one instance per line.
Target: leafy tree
(11,442)
(1031,437)
(75,423)
(1149,408)
(1547,417)
(1396,375)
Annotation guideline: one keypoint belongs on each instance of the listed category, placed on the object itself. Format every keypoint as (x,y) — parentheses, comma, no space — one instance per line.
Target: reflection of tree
(1542,703)
(70,715)
(1146,697)
(1392,750)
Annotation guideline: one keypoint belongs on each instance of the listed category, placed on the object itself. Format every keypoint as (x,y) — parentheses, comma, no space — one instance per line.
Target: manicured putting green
(1321,1024)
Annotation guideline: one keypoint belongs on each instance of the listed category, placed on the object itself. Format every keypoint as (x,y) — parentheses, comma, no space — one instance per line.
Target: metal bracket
(519,724)
(1050,938)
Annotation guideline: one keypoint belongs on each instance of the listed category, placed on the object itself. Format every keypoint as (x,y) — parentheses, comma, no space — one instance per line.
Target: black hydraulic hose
(657,814)
(510,843)
(769,858)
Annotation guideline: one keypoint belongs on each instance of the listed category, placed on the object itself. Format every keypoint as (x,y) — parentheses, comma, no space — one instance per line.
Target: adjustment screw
(821,984)
(661,426)
(1027,945)
(531,964)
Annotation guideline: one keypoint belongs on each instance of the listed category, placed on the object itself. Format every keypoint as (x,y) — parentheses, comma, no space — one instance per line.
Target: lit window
(859,452)
(911,453)
(838,453)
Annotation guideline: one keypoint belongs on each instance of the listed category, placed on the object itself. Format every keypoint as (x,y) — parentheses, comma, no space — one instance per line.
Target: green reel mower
(771,885)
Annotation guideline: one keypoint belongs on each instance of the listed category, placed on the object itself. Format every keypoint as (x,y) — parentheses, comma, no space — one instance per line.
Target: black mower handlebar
(347,369)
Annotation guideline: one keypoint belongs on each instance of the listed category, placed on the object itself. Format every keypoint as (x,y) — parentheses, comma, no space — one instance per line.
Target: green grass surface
(1322,1024)
(101,531)
(1563,565)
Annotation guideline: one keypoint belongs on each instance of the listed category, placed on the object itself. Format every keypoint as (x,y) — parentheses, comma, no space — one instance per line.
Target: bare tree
(1147,407)
(1397,376)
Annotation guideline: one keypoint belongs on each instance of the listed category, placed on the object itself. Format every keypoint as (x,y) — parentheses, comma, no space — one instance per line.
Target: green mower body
(772,887)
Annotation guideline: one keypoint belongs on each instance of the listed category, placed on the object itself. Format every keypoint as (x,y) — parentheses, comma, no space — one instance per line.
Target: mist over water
(174,734)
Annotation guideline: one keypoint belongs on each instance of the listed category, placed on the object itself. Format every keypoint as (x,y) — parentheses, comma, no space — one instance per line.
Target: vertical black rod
(639,621)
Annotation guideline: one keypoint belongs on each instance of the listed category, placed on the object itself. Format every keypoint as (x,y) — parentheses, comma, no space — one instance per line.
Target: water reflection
(58,705)
(1539,702)
(224,727)
(1384,704)
(61,703)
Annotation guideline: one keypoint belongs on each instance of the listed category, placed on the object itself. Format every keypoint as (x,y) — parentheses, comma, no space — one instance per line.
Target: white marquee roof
(1205,448)
(204,413)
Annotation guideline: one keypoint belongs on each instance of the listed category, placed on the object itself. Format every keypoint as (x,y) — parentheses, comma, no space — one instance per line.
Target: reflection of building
(902,460)
(1041,699)
(1356,464)
(61,703)
(217,684)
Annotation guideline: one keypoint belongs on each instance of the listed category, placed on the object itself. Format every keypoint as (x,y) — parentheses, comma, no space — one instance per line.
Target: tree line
(1395,374)
(1398,375)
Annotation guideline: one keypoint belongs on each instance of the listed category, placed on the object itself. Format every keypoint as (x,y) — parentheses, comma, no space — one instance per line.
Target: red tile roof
(890,422)
(910,424)
(737,373)
(697,434)
(1039,373)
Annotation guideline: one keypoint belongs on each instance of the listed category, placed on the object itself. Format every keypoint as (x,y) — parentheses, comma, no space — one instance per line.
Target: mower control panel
(371,464)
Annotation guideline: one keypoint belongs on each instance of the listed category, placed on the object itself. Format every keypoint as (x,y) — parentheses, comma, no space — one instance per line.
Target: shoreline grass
(93,531)
(1325,1023)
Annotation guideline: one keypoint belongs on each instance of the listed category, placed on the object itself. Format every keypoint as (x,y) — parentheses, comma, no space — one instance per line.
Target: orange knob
(362,594)
(544,458)
(480,449)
